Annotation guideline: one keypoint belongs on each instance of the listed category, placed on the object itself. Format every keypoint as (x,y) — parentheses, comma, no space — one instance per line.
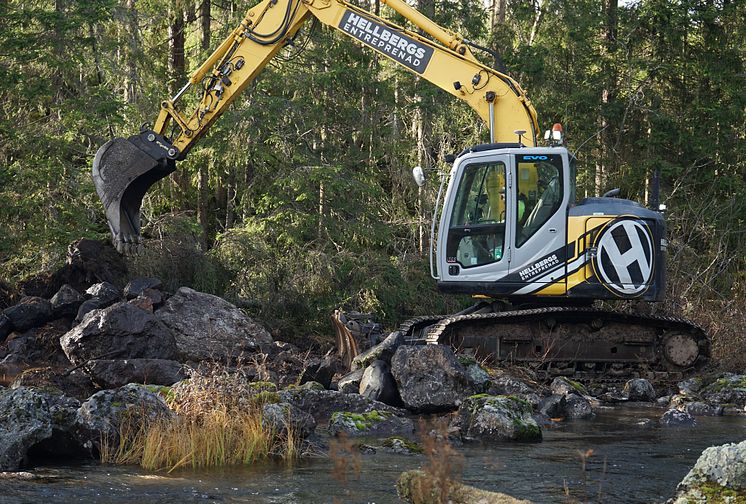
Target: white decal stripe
(545,280)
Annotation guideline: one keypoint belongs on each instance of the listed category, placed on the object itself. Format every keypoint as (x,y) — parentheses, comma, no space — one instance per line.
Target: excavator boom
(124,169)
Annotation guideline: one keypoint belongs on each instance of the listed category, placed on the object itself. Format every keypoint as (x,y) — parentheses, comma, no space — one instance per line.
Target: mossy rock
(373,423)
(419,487)
(484,417)
(401,444)
(711,493)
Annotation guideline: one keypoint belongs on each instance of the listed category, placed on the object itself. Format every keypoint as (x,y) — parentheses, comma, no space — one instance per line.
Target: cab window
(476,234)
(539,193)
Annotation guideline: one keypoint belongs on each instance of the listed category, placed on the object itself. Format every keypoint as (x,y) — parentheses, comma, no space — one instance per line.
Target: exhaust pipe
(123,171)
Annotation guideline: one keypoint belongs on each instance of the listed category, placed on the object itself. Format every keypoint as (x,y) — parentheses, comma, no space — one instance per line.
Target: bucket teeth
(123,171)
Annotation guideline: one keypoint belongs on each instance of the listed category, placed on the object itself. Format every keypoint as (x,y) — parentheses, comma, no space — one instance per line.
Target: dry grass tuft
(218,422)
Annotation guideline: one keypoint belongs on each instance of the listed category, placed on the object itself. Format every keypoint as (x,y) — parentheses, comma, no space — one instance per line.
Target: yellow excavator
(507,227)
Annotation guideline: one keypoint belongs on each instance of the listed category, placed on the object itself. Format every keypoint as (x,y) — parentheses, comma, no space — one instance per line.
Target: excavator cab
(505,209)
(123,171)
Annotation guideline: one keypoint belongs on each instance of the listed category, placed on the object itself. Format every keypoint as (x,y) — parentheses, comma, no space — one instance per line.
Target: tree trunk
(423,132)
(205,20)
(607,96)
(176,60)
(132,81)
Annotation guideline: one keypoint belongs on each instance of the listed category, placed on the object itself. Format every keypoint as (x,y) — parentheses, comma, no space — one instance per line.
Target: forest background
(300,199)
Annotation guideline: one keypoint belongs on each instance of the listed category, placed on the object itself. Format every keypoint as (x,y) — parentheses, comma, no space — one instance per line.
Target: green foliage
(302,190)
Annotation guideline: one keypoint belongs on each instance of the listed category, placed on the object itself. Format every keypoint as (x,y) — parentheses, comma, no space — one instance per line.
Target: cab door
(476,221)
(539,225)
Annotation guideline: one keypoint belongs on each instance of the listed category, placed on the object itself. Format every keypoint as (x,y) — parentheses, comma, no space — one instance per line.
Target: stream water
(631,462)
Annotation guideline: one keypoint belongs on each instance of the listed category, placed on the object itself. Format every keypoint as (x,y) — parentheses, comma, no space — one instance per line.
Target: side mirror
(419,175)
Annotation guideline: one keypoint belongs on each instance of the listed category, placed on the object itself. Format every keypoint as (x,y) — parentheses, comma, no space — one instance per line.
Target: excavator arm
(124,169)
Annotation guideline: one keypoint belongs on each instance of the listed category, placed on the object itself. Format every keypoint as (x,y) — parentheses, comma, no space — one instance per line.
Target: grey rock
(578,407)
(401,446)
(639,389)
(724,465)
(697,408)
(30,417)
(105,292)
(108,373)
(509,385)
(554,406)
(121,331)
(278,416)
(677,418)
(6,327)
(373,424)
(350,383)
(497,418)
(137,286)
(378,384)
(691,386)
(30,312)
(101,416)
(728,389)
(322,403)
(564,386)
(384,351)
(430,378)
(66,302)
(478,377)
(207,327)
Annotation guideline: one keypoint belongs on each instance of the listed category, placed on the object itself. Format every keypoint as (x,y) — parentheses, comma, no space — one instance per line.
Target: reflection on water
(630,462)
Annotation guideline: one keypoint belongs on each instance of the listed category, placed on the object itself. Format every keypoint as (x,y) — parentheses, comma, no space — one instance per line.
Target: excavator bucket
(123,171)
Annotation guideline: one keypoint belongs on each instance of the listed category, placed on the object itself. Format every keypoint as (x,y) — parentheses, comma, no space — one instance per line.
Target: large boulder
(321,404)
(121,331)
(419,487)
(378,384)
(373,423)
(430,378)
(383,351)
(719,475)
(207,327)
(109,373)
(29,417)
(639,389)
(66,302)
(497,418)
(101,417)
(30,312)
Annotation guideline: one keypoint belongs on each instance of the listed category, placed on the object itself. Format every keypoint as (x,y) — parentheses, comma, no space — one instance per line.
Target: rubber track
(441,324)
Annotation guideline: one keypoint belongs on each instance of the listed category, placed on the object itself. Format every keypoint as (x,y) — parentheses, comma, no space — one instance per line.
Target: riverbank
(116,370)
